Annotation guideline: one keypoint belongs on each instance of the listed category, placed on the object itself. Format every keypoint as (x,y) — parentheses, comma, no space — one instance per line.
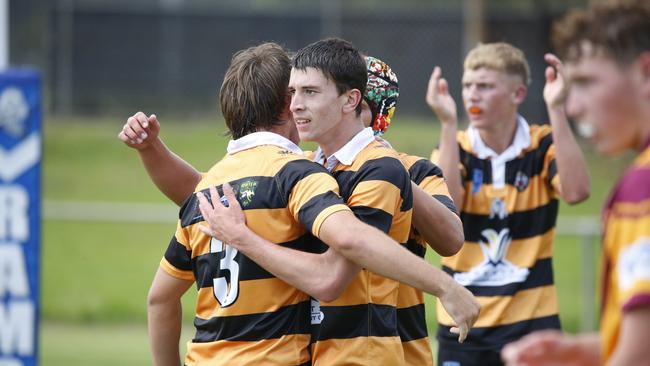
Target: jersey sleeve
(429,177)
(634,272)
(462,169)
(311,193)
(551,177)
(382,191)
(177,261)
(631,233)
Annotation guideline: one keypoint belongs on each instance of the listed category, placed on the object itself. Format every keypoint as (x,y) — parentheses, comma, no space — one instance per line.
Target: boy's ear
(519,94)
(643,62)
(353,98)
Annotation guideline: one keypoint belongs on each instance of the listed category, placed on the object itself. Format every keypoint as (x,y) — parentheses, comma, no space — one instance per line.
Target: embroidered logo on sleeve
(247,192)
(634,264)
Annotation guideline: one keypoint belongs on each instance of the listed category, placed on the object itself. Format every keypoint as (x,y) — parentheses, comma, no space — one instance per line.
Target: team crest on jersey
(247,192)
(495,269)
(498,209)
(521,181)
(477,180)
(317,316)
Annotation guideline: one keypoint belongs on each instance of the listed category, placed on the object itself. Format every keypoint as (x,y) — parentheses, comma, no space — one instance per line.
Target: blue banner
(20,226)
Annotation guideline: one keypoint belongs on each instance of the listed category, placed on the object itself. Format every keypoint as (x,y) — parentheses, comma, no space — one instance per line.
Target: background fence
(117,56)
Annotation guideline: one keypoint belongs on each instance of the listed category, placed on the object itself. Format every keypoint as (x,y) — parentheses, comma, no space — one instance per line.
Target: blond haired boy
(505,175)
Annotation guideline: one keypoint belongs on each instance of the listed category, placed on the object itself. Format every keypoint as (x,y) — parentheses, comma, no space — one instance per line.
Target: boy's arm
(440,227)
(632,346)
(172,175)
(571,164)
(164,317)
(552,347)
(342,231)
(443,105)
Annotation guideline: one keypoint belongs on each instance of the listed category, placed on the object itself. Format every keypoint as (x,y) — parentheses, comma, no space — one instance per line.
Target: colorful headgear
(381,93)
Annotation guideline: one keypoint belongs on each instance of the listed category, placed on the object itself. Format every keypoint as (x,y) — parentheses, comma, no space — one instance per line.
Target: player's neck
(338,137)
(499,138)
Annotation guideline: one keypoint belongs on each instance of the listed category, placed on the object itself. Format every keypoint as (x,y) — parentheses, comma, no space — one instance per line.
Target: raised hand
(439,99)
(140,131)
(555,89)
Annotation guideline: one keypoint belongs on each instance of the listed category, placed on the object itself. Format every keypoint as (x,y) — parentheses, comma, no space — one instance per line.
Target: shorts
(468,357)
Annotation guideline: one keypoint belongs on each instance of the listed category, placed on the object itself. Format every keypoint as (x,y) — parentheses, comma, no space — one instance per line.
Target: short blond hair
(499,56)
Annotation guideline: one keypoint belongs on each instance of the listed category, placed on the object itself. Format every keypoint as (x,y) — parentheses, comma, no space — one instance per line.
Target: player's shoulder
(416,162)
(634,185)
(281,161)
(408,159)
(541,136)
(462,137)
(377,154)
(377,149)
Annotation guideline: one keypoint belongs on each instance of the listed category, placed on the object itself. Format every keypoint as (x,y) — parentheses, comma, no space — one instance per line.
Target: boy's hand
(544,347)
(227,224)
(439,99)
(462,306)
(555,89)
(140,131)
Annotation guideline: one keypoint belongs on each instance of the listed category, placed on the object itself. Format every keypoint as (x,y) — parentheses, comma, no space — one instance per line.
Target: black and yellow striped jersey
(245,315)
(506,261)
(411,320)
(360,327)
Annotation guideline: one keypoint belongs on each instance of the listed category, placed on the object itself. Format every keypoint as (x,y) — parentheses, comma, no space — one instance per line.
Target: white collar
(346,154)
(262,138)
(520,142)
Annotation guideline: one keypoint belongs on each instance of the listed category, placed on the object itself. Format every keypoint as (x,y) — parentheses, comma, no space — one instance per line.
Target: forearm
(571,164)
(450,160)
(589,349)
(372,249)
(439,226)
(164,324)
(173,176)
(322,276)
(632,343)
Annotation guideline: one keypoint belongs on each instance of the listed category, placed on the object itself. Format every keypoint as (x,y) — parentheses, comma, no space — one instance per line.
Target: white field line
(119,212)
(124,212)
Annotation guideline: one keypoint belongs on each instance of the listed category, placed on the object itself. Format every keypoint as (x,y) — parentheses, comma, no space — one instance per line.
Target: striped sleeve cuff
(175,272)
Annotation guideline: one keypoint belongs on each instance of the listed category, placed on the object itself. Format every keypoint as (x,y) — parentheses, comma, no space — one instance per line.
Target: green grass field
(95,275)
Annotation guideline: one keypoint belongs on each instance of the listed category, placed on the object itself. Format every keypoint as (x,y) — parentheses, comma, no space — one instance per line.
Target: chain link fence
(116,57)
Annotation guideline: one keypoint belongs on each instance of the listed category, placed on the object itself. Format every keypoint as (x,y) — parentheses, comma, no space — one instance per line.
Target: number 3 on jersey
(225,292)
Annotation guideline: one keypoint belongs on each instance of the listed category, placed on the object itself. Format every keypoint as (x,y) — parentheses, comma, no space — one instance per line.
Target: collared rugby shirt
(626,244)
(509,214)
(411,319)
(360,327)
(244,314)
